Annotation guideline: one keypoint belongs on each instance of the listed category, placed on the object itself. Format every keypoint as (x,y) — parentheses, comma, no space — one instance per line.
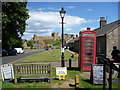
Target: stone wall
(111,40)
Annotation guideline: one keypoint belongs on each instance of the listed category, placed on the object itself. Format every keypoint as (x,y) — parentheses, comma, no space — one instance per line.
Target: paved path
(58,64)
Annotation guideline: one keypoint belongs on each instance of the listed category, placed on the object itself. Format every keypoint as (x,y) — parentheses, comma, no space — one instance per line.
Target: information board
(61,70)
(7,71)
(97,74)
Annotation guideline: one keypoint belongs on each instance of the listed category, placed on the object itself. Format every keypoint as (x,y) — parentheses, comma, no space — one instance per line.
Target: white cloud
(89,9)
(70,7)
(49,8)
(44,23)
(68,29)
(85,28)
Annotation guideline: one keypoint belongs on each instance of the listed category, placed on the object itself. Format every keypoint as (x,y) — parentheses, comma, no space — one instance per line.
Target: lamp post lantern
(62,14)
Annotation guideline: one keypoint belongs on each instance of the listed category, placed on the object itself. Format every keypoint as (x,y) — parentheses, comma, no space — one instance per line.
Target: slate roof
(109,27)
(73,40)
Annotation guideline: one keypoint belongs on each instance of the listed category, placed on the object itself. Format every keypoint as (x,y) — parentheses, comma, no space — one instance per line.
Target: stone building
(73,44)
(108,35)
(24,41)
(68,37)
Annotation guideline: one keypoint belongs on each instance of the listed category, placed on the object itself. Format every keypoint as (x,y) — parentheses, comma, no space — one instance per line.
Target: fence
(108,63)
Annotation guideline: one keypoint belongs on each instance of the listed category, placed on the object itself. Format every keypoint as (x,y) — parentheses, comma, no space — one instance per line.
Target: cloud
(89,9)
(69,29)
(70,7)
(49,8)
(44,23)
(85,28)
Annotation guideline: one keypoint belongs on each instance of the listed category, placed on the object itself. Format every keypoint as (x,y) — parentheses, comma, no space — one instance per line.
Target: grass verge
(69,82)
(53,55)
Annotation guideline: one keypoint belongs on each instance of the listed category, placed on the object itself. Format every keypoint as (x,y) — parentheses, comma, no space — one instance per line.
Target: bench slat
(31,69)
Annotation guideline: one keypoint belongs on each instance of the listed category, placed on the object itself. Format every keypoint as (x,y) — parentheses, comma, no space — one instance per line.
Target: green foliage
(30,43)
(14,16)
(57,43)
(49,41)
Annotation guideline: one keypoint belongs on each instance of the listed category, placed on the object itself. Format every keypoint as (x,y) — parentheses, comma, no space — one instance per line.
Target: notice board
(61,70)
(7,71)
(97,74)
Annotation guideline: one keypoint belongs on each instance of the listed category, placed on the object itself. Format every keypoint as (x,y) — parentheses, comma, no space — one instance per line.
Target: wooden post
(104,75)
(50,73)
(110,76)
(76,81)
(69,63)
(15,78)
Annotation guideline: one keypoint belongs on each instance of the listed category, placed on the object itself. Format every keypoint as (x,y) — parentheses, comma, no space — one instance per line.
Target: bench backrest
(32,69)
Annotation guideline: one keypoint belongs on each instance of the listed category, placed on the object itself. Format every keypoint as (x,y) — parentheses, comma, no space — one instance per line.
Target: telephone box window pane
(88,54)
(89,50)
(88,61)
(88,40)
(87,64)
(88,57)
(89,47)
(88,43)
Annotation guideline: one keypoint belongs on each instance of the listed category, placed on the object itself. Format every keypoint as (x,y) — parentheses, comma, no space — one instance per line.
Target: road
(8,59)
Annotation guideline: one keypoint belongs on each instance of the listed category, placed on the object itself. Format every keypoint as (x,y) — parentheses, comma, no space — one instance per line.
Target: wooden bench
(32,70)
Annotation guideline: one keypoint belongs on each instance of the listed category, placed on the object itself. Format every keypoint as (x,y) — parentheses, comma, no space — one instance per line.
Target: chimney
(88,28)
(102,22)
(76,35)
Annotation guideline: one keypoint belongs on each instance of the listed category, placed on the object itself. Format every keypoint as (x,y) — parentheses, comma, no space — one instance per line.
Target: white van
(19,50)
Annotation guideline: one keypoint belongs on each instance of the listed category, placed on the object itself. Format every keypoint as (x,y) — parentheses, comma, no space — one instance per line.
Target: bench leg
(15,80)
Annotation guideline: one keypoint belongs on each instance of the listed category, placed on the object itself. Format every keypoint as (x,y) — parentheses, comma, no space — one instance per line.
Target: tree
(30,43)
(14,16)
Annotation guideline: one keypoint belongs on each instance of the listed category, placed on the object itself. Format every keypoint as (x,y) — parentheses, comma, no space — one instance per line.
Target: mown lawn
(31,50)
(53,55)
(70,79)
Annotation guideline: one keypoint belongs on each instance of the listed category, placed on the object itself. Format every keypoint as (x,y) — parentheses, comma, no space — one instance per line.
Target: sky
(45,17)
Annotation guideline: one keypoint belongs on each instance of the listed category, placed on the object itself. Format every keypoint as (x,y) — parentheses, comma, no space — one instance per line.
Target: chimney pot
(88,28)
(102,22)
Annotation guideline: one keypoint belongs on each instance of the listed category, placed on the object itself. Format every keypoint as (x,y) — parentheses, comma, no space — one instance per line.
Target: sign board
(7,71)
(97,74)
(61,70)
(62,50)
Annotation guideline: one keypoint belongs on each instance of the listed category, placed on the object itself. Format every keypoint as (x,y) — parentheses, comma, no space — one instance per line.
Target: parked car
(19,50)
(3,52)
(0,52)
(46,49)
(13,52)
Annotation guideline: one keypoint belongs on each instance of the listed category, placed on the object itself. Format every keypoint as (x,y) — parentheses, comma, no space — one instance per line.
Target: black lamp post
(62,14)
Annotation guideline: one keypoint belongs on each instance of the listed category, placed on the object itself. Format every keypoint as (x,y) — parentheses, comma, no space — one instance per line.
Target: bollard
(77,81)
(69,63)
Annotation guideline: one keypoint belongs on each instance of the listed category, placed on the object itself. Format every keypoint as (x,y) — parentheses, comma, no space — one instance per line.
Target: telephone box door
(88,54)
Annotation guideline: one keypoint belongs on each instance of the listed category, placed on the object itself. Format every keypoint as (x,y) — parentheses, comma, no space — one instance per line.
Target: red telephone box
(87,50)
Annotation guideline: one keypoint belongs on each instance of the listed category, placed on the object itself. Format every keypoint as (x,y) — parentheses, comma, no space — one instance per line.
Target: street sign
(62,50)
(61,72)
(7,71)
